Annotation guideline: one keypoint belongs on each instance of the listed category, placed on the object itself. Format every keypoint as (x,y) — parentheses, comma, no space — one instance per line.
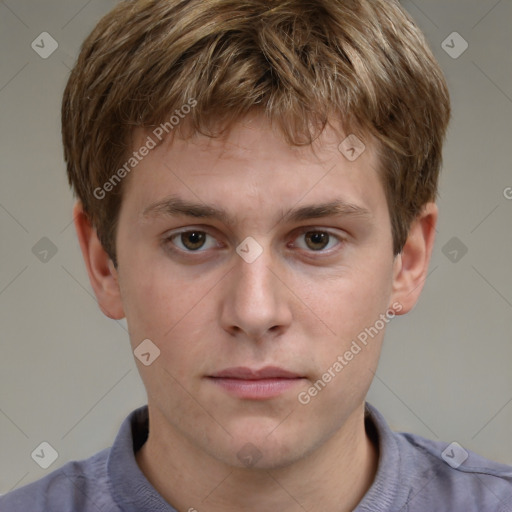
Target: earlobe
(411,265)
(102,273)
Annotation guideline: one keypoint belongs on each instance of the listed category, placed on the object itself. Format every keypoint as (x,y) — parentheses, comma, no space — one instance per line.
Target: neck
(332,478)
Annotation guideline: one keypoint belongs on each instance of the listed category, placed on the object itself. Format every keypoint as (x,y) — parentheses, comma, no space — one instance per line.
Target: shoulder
(416,474)
(80,486)
(460,477)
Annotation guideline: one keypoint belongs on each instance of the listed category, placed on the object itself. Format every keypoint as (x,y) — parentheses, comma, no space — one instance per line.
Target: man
(256,188)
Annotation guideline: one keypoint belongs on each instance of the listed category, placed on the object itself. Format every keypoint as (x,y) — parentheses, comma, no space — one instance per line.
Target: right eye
(192,240)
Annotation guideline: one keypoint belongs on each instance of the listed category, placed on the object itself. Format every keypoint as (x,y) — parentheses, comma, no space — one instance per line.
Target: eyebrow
(176,206)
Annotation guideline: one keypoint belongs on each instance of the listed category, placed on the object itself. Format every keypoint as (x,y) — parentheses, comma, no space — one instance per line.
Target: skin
(298,306)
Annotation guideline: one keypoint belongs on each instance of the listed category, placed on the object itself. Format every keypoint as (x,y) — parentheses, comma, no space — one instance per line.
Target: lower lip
(260,389)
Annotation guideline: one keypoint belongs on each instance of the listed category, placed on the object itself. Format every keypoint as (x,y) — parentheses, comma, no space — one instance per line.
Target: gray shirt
(414,475)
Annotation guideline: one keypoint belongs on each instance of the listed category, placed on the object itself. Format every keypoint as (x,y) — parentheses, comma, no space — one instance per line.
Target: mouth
(252,384)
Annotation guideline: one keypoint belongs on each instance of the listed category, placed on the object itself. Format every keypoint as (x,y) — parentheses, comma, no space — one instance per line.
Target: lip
(268,372)
(252,384)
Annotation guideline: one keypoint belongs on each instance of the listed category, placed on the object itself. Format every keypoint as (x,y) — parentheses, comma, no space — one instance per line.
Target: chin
(260,445)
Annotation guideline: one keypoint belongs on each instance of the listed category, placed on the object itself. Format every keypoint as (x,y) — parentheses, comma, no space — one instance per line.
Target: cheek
(350,300)
(350,304)
(155,295)
(347,360)
(172,311)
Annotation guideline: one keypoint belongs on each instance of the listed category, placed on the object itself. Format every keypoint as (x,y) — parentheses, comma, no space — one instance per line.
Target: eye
(318,240)
(191,241)
(196,240)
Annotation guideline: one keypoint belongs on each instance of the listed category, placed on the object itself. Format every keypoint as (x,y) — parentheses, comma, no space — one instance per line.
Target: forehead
(245,138)
(253,163)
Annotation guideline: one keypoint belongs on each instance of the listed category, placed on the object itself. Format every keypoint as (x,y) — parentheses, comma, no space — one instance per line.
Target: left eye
(318,240)
(191,240)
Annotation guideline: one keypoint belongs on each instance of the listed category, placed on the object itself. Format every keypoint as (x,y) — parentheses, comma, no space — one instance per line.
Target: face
(259,291)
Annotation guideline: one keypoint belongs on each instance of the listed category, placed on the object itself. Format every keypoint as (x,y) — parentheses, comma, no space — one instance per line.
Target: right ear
(103,275)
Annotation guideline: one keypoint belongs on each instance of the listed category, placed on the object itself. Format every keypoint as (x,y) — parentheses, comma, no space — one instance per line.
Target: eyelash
(168,240)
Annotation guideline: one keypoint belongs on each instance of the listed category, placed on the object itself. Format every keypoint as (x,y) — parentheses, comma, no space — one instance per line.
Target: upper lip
(268,372)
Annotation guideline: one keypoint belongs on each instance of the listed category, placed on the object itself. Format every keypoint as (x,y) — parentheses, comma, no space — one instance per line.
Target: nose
(256,303)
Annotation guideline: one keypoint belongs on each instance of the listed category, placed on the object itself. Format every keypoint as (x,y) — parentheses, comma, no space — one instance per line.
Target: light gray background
(67,374)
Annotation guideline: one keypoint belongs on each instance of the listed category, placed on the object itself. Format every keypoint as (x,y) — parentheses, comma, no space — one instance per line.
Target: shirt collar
(130,488)
(387,492)
(134,493)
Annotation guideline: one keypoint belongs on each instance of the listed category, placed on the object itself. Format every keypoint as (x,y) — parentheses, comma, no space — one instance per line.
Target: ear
(102,273)
(410,267)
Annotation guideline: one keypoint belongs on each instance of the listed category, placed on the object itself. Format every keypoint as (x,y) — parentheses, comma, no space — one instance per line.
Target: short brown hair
(362,63)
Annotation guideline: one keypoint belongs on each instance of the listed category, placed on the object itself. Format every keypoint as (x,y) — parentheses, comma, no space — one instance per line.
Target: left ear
(410,267)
